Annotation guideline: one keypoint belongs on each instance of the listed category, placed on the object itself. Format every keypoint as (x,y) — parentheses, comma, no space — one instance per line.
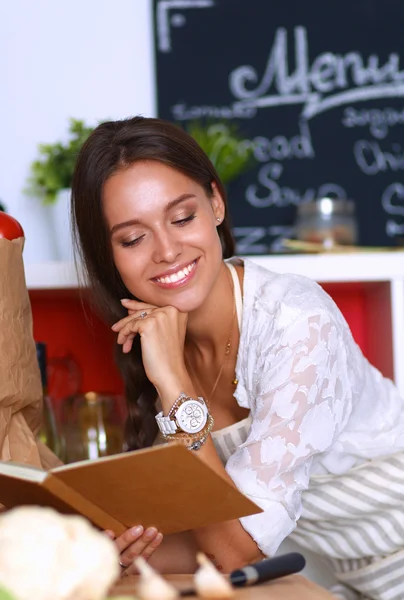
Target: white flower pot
(61,228)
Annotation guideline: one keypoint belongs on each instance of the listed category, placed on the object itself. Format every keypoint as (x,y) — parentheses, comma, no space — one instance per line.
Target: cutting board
(294,587)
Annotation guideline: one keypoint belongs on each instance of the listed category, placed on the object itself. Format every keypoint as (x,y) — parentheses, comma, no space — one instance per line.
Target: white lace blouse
(317,405)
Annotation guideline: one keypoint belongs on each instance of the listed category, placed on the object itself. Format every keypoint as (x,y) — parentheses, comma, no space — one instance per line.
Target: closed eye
(182,222)
(132,242)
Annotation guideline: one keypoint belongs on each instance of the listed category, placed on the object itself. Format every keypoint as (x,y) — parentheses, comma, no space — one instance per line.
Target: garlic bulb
(151,585)
(209,583)
(49,556)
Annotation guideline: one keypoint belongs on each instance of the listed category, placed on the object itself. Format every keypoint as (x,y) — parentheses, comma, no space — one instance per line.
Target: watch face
(191,416)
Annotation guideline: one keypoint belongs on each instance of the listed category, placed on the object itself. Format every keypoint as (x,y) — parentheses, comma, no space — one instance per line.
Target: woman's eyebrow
(178,200)
(168,207)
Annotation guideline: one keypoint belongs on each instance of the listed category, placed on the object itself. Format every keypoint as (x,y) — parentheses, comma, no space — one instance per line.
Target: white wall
(88,59)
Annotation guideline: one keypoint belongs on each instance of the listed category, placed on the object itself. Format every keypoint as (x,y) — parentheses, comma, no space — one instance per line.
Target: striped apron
(356,520)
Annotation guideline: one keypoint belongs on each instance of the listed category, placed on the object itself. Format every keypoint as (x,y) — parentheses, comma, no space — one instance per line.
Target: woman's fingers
(146,553)
(143,546)
(126,337)
(133,306)
(133,314)
(109,533)
(127,328)
(126,539)
(127,344)
(136,305)
(130,329)
(152,546)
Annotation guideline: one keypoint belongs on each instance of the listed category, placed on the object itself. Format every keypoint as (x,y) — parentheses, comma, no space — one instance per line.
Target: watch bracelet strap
(193,441)
(165,424)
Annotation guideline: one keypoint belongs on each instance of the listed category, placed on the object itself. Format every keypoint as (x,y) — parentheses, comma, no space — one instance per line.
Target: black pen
(264,570)
(267,569)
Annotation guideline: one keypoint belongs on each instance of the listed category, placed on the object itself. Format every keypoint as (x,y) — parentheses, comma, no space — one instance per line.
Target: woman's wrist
(172,386)
(193,441)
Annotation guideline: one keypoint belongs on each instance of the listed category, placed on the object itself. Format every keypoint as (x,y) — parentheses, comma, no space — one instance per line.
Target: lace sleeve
(302,401)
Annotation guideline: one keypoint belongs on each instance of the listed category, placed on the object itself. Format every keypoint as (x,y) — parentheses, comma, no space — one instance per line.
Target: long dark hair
(113,146)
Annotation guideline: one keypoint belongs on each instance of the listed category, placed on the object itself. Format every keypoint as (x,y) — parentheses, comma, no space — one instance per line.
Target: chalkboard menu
(316,87)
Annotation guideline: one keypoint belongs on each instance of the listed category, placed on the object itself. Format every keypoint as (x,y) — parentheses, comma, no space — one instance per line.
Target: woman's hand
(135,542)
(162,336)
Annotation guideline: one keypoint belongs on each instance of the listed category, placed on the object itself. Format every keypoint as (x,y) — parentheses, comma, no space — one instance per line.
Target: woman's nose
(166,248)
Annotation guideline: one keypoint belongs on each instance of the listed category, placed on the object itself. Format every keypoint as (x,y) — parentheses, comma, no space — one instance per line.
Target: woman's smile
(176,276)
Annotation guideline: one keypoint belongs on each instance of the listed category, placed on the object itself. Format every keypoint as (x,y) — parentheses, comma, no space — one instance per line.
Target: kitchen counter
(294,587)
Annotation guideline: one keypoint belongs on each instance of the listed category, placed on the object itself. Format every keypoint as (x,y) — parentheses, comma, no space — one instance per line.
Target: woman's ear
(217,204)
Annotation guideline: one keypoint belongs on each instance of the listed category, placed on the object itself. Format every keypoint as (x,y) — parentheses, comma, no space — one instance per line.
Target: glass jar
(327,221)
(93,426)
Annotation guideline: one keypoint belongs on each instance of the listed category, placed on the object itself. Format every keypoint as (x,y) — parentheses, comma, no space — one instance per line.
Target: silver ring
(123,566)
(143,314)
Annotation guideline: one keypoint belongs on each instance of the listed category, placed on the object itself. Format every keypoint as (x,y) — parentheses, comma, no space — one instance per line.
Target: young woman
(284,403)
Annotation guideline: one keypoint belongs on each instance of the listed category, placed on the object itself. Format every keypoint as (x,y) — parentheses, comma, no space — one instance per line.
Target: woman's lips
(175,284)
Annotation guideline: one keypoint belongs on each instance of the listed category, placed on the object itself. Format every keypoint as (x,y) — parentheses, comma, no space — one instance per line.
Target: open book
(166,486)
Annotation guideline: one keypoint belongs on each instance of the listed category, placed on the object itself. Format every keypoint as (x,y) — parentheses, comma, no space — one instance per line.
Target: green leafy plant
(5,594)
(229,152)
(53,170)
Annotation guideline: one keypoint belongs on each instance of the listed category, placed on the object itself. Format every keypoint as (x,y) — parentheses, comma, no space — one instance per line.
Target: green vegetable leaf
(5,594)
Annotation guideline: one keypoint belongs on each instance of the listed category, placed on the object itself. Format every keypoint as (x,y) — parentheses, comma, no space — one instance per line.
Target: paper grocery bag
(20,381)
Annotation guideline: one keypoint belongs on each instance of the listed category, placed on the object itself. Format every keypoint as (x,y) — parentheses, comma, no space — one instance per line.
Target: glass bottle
(48,433)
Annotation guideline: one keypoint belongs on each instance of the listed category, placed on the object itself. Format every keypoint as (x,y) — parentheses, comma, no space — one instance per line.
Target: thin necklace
(226,357)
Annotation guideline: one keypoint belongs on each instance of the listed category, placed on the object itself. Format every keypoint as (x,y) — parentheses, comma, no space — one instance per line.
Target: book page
(21,471)
(166,486)
(102,459)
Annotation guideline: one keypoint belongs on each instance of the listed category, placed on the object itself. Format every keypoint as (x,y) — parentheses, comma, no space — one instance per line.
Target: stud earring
(218,219)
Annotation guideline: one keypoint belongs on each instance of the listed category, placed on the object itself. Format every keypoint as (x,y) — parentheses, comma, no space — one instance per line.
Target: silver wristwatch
(187,415)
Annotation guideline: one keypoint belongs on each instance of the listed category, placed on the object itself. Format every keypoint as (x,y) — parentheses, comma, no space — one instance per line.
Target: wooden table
(294,587)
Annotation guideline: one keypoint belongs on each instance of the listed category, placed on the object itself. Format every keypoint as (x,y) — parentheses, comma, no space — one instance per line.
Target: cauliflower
(48,556)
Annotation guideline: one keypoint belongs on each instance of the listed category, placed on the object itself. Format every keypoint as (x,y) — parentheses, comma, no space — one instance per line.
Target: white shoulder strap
(237,293)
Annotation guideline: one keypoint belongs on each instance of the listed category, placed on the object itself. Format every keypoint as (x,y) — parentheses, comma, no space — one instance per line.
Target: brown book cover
(166,486)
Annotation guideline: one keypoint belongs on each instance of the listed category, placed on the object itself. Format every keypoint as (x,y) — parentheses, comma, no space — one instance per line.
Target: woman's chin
(187,306)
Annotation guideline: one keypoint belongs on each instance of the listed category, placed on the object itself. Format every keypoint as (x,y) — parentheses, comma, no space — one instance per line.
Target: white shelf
(372,266)
(381,272)
(51,276)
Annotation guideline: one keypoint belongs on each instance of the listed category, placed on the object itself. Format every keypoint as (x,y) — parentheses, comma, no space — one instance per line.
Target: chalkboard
(316,86)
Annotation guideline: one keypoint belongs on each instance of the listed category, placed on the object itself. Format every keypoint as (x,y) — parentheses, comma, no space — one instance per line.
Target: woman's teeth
(178,276)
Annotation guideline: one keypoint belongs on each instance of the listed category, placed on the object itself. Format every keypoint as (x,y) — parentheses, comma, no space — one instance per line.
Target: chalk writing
(335,101)
(378,120)
(371,159)
(182,112)
(393,204)
(247,238)
(281,148)
(270,193)
(163,18)
(362,79)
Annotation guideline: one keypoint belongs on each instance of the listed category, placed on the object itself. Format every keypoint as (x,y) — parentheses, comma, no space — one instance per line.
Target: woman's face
(163,234)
